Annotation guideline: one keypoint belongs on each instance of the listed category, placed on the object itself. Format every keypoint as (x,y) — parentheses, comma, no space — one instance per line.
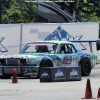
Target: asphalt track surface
(32,89)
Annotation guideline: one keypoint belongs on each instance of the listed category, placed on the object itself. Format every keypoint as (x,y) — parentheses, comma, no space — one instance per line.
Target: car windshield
(39,48)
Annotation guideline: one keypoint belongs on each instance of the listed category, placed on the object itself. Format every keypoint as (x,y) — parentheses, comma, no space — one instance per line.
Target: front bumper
(20,70)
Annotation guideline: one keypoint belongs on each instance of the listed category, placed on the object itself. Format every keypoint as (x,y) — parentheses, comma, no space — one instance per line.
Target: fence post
(0,11)
(20,37)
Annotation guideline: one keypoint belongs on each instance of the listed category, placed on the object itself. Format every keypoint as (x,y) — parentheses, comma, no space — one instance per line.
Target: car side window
(62,49)
(71,48)
(67,48)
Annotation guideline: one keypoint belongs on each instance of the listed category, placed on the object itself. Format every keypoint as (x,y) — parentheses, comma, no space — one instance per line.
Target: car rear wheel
(86,67)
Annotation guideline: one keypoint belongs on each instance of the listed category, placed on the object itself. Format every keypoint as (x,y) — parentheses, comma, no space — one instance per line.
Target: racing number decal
(67,59)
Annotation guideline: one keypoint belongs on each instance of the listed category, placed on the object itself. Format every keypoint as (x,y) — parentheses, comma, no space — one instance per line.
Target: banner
(62,32)
(13,37)
(9,39)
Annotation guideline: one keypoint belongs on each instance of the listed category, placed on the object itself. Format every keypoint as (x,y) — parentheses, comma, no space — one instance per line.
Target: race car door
(69,54)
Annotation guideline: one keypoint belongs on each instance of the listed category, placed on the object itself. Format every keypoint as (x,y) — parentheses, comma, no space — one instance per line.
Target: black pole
(37,10)
(21,11)
(51,11)
(0,12)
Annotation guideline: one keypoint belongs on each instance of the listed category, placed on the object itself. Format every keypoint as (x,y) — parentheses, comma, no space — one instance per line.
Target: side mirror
(98,44)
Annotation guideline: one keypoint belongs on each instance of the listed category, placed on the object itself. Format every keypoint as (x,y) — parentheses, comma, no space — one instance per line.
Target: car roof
(58,42)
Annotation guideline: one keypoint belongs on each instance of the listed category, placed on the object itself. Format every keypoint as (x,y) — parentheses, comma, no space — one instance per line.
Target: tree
(89,11)
(20,11)
(0,11)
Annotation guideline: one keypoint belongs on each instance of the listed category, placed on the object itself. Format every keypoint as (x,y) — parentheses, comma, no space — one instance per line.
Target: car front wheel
(45,63)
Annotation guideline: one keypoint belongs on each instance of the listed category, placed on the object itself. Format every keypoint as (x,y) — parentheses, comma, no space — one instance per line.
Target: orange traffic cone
(98,96)
(14,79)
(88,92)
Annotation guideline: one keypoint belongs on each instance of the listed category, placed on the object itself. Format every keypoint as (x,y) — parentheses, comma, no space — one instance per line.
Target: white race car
(46,54)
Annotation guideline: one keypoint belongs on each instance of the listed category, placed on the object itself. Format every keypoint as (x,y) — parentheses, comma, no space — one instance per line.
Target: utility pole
(75,11)
(37,11)
(0,11)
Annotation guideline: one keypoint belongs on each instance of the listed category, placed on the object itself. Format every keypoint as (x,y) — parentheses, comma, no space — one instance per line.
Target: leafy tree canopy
(90,11)
(19,11)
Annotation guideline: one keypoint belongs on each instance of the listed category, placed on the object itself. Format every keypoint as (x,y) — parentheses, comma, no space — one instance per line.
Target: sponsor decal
(27,70)
(59,73)
(67,59)
(45,75)
(33,61)
(59,63)
(77,60)
(73,73)
(55,63)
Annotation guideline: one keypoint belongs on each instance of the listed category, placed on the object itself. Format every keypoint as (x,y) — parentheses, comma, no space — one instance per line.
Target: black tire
(98,44)
(46,63)
(86,67)
(38,74)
